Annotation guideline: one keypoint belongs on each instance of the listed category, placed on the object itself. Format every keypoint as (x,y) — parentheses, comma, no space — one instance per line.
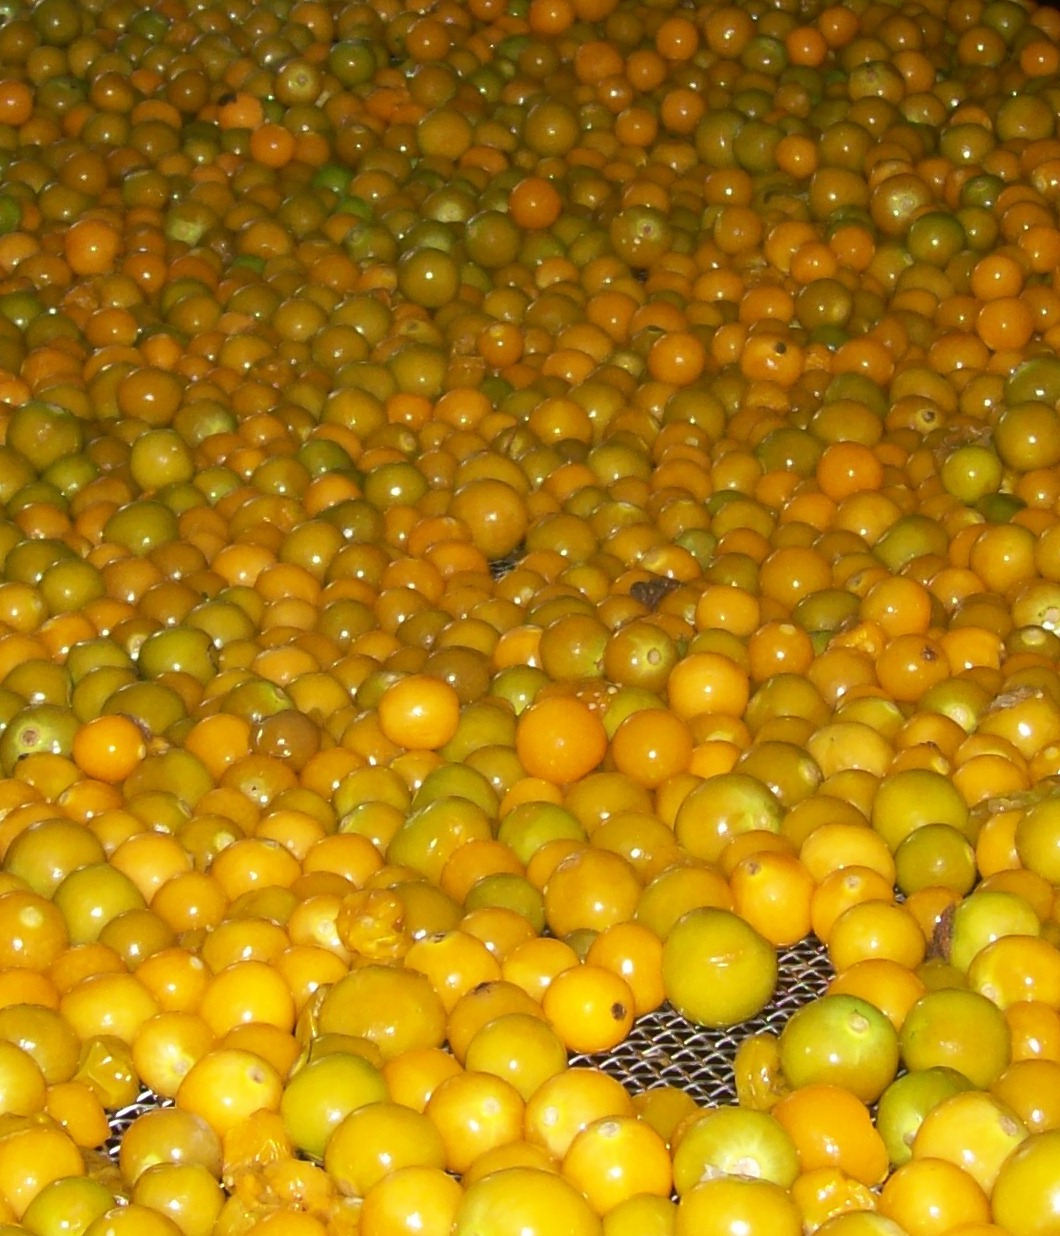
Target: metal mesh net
(662,1048)
(120,1120)
(665,1049)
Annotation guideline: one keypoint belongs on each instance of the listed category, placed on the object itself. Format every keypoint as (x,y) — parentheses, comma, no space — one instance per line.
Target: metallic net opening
(662,1049)
(665,1049)
(120,1120)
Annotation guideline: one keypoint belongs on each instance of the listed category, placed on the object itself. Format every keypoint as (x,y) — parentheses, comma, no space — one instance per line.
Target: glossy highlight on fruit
(717,970)
(519,519)
(841,1040)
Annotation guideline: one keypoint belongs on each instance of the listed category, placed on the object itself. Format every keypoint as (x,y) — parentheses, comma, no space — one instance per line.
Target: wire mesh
(665,1049)
(120,1120)
(662,1048)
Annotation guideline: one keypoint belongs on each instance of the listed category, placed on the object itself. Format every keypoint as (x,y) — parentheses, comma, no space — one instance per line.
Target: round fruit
(841,1040)
(1026,1196)
(476,470)
(975,1131)
(980,919)
(733,1141)
(395,1009)
(909,799)
(229,1085)
(907,1100)
(618,1158)
(717,970)
(730,1203)
(322,1093)
(524,1201)
(723,807)
(956,1029)
(376,1139)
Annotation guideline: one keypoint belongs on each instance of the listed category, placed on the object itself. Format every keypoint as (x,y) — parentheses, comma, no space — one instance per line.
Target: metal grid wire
(120,1120)
(662,1048)
(665,1049)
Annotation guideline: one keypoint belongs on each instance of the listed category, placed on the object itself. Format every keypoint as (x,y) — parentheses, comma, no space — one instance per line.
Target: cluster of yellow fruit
(512,514)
